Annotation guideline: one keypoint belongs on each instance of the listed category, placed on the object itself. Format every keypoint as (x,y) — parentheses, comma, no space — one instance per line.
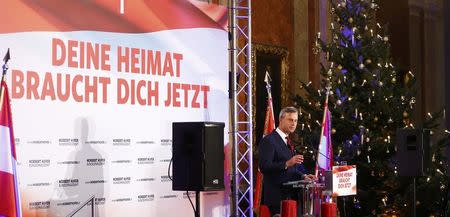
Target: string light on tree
(350,20)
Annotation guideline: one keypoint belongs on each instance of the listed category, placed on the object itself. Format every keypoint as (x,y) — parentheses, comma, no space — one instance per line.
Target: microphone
(312,148)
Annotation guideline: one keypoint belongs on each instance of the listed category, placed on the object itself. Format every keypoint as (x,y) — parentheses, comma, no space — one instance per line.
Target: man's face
(288,122)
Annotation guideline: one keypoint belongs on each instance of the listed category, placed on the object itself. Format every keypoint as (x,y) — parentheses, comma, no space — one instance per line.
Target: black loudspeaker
(198,156)
(413,152)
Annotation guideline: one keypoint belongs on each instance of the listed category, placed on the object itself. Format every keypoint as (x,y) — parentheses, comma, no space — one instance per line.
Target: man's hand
(297,159)
(310,177)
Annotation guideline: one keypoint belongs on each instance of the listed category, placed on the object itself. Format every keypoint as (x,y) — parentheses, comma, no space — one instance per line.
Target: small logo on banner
(165,160)
(146,197)
(68,183)
(39,205)
(121,180)
(39,184)
(146,160)
(145,142)
(95,162)
(145,180)
(99,181)
(69,162)
(166,142)
(68,203)
(17,141)
(122,200)
(170,196)
(39,142)
(68,142)
(165,179)
(94,142)
(122,142)
(100,201)
(121,161)
(39,163)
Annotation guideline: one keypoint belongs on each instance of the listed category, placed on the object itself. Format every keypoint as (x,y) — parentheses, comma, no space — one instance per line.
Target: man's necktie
(291,146)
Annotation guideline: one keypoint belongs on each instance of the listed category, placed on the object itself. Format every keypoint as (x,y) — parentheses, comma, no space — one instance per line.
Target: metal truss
(241,109)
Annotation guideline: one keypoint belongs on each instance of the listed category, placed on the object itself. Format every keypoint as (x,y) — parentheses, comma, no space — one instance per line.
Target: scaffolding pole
(241,109)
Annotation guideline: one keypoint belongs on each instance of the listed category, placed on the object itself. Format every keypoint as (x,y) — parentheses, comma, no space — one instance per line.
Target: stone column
(301,46)
(433,56)
(447,68)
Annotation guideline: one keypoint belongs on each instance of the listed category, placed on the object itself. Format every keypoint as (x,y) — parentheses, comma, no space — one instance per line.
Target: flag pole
(268,79)
(3,91)
(5,69)
(322,128)
(259,176)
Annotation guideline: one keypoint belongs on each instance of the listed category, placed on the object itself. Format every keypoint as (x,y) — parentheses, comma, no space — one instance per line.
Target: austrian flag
(9,188)
(325,153)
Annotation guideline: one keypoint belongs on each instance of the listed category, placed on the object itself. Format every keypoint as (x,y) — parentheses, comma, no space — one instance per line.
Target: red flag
(9,191)
(269,126)
(269,123)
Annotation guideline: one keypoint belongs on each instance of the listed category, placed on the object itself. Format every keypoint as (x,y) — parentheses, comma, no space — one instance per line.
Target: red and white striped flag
(325,159)
(325,150)
(9,188)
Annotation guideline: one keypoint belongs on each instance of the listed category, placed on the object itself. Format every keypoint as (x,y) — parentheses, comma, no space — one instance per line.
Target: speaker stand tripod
(414,196)
(197,203)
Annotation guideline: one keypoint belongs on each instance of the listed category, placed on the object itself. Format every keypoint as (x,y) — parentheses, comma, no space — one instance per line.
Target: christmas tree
(370,98)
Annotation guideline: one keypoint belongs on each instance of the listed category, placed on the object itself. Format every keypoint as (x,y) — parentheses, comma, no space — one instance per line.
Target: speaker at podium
(198,156)
(413,152)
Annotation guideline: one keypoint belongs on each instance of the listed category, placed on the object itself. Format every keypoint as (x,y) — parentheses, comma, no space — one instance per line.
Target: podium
(311,196)
(340,181)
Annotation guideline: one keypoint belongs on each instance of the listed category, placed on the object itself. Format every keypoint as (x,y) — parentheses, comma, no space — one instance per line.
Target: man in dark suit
(279,163)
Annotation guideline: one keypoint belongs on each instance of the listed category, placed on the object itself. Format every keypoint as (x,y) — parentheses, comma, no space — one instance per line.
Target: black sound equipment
(413,152)
(198,156)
